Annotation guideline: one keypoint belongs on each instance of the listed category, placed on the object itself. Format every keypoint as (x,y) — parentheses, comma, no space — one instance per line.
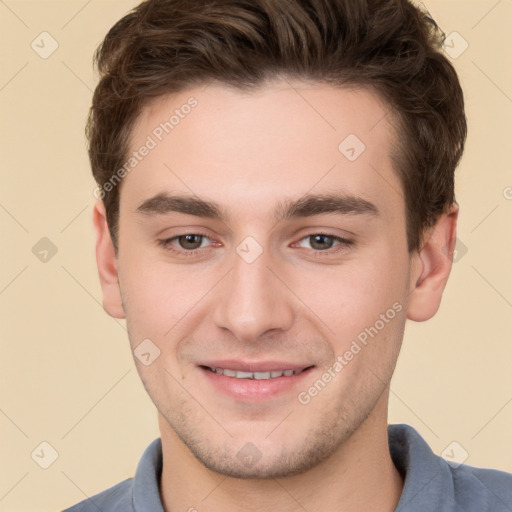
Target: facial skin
(302,301)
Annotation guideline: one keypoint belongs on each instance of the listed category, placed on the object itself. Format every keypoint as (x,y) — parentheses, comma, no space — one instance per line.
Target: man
(276,199)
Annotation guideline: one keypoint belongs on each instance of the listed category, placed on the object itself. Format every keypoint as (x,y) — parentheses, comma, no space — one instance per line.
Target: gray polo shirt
(431,483)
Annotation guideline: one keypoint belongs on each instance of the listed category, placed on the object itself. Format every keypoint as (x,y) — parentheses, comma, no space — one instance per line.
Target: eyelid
(166,242)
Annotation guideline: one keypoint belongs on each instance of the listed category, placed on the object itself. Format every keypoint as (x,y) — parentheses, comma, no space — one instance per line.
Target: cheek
(351,297)
(150,296)
(162,298)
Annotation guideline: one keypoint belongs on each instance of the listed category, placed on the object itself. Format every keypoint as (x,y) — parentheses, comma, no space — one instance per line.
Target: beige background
(67,374)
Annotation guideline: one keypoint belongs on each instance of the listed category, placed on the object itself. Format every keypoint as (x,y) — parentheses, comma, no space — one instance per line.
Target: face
(263,234)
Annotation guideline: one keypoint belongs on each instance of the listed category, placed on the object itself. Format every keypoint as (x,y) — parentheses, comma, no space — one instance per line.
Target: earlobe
(106,261)
(432,266)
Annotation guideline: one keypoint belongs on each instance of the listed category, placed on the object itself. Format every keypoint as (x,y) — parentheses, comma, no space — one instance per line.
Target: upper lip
(255,366)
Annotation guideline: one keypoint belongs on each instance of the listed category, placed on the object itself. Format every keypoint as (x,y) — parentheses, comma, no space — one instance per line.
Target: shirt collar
(427,478)
(146,484)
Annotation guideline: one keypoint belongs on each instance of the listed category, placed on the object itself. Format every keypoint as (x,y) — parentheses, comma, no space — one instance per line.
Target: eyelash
(166,244)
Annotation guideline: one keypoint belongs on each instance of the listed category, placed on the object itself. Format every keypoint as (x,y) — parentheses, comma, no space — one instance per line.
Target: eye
(191,241)
(187,243)
(324,242)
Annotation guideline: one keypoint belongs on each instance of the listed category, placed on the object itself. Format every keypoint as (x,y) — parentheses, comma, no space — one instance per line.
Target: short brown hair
(390,46)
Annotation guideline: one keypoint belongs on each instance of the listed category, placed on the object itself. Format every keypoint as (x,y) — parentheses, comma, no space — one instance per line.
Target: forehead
(285,138)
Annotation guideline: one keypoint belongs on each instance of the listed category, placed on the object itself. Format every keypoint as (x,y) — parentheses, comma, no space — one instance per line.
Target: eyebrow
(305,206)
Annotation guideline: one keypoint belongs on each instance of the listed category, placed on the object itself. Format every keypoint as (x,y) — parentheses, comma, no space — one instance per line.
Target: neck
(360,475)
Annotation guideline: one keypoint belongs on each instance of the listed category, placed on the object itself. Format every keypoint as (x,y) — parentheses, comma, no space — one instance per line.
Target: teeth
(262,375)
(254,375)
(242,375)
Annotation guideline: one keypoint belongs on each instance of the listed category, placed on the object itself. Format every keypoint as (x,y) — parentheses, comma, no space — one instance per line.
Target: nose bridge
(252,300)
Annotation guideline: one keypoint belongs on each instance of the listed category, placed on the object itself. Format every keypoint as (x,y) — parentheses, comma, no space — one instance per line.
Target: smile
(237,374)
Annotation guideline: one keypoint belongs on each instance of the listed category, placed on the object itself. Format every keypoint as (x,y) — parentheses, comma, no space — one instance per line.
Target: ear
(431,267)
(106,261)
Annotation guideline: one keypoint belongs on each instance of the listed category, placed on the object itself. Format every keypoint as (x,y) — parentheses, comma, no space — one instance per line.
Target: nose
(253,300)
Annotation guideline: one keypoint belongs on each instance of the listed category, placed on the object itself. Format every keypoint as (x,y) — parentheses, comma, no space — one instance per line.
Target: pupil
(189,239)
(322,239)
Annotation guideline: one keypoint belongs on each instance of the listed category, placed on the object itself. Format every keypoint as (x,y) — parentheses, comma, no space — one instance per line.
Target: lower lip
(254,389)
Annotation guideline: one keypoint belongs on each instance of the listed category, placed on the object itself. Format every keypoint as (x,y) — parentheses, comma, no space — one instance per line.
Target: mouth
(254,381)
(240,374)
